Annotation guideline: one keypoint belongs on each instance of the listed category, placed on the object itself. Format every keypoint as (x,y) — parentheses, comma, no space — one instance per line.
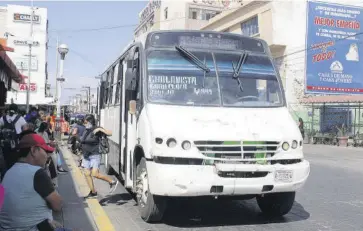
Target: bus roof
(197,39)
(205,39)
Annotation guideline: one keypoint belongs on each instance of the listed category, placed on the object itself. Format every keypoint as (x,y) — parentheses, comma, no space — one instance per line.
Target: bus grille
(244,151)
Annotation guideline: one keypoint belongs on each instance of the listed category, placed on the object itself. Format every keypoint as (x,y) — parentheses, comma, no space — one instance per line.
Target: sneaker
(91,195)
(113,186)
(61,170)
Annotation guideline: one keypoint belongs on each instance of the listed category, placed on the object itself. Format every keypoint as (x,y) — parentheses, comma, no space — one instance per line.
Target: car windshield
(173,79)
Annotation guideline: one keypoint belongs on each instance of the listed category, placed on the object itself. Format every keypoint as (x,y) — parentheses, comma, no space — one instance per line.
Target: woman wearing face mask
(90,141)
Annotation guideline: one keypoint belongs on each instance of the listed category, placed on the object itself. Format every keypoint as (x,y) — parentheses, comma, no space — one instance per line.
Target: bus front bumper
(225,179)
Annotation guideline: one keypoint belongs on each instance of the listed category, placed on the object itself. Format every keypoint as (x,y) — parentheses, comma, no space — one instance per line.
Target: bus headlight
(285,146)
(171,142)
(294,144)
(186,145)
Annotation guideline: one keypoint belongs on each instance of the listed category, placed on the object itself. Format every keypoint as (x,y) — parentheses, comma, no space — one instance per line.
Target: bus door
(131,94)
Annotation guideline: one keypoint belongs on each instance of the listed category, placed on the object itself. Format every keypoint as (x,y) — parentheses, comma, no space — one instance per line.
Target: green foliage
(342,131)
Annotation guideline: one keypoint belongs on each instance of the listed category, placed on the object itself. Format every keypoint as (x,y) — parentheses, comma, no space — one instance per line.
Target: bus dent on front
(197,113)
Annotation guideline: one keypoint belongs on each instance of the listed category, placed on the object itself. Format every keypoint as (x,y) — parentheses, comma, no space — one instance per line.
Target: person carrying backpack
(11,125)
(91,151)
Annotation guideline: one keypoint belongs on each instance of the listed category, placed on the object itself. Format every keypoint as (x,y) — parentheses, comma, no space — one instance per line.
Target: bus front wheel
(151,207)
(276,204)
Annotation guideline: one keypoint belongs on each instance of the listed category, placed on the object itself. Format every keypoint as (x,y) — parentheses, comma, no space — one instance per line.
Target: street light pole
(63,50)
(30,43)
(56,69)
(89,97)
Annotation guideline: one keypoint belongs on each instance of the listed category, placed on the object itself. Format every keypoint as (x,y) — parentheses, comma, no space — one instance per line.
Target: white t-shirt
(21,121)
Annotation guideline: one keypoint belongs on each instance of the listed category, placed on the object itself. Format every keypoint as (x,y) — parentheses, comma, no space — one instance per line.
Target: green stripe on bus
(259,155)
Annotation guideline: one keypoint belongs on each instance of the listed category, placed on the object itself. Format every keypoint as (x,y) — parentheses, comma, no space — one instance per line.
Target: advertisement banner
(26,18)
(22,63)
(25,43)
(24,87)
(334,49)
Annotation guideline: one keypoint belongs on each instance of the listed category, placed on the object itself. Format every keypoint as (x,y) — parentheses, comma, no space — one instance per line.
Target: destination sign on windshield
(207,40)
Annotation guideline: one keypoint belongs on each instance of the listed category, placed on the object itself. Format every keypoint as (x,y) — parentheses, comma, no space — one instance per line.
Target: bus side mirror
(132,107)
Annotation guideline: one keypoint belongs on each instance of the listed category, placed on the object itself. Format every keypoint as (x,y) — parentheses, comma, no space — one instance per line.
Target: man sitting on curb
(30,196)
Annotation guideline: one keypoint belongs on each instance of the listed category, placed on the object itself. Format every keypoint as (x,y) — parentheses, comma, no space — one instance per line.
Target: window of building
(201,14)
(250,27)
(193,13)
(166,13)
(208,16)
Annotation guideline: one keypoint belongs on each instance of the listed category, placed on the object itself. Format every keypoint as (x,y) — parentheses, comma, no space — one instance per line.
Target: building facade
(183,14)
(16,27)
(283,25)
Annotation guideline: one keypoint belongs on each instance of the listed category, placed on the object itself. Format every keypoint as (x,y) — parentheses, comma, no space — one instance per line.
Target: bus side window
(137,70)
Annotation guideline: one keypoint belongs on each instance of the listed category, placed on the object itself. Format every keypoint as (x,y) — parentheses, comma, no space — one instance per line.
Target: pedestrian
(50,130)
(52,161)
(33,117)
(301,127)
(11,125)
(76,134)
(30,196)
(90,141)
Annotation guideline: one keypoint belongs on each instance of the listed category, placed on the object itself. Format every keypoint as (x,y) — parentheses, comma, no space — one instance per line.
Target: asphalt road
(332,199)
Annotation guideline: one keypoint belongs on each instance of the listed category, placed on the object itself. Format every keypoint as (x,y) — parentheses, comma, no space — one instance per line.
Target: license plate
(283,175)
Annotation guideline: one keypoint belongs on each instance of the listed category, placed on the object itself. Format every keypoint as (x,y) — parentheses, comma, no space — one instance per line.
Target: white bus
(197,113)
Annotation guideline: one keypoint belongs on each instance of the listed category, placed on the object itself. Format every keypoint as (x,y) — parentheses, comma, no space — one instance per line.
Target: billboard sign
(22,63)
(26,18)
(24,87)
(334,49)
(25,43)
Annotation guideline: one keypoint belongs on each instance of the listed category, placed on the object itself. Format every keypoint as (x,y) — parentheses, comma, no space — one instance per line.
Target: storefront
(9,75)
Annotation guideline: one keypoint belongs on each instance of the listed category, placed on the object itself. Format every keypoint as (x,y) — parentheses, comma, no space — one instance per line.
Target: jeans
(59,160)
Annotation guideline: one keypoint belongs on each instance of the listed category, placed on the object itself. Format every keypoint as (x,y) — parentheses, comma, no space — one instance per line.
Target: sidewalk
(75,213)
(86,215)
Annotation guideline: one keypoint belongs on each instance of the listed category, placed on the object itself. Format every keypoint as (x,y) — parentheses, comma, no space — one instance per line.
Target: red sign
(23,87)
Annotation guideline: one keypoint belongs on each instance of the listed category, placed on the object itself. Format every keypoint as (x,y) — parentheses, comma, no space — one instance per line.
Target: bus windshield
(175,80)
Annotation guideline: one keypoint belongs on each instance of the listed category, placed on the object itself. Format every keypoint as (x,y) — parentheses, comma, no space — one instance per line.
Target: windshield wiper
(192,58)
(237,70)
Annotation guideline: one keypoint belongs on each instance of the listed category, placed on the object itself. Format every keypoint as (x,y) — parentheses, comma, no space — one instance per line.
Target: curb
(99,215)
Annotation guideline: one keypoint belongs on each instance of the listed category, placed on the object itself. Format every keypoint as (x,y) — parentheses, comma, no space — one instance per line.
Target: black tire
(276,204)
(154,208)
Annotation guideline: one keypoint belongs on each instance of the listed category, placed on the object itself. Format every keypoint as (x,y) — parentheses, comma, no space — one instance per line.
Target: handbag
(104,145)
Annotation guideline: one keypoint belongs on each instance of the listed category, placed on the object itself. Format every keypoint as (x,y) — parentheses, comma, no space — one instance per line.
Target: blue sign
(334,56)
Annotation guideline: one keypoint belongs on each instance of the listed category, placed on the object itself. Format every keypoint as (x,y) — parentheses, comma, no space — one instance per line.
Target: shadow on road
(117,199)
(209,213)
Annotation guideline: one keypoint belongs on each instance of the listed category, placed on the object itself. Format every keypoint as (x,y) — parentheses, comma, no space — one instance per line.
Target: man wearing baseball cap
(30,196)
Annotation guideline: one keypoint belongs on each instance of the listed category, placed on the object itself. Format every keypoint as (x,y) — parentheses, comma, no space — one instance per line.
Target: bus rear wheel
(151,207)
(276,204)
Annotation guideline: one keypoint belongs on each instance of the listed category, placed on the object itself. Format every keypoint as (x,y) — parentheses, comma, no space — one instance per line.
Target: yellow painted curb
(99,215)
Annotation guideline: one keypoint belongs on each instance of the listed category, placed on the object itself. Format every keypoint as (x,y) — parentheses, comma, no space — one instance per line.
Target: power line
(125,25)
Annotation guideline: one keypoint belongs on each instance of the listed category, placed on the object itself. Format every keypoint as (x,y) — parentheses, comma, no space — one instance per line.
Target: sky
(90,52)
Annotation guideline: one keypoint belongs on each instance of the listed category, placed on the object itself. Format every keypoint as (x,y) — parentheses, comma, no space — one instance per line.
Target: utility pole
(89,97)
(30,43)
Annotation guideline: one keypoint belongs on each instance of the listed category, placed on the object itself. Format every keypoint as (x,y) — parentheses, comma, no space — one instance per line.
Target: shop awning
(10,67)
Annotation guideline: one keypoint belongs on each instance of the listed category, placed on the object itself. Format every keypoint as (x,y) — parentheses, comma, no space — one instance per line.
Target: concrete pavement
(332,199)
(86,215)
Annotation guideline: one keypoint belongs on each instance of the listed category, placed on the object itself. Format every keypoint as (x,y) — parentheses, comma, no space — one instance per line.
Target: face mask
(88,125)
